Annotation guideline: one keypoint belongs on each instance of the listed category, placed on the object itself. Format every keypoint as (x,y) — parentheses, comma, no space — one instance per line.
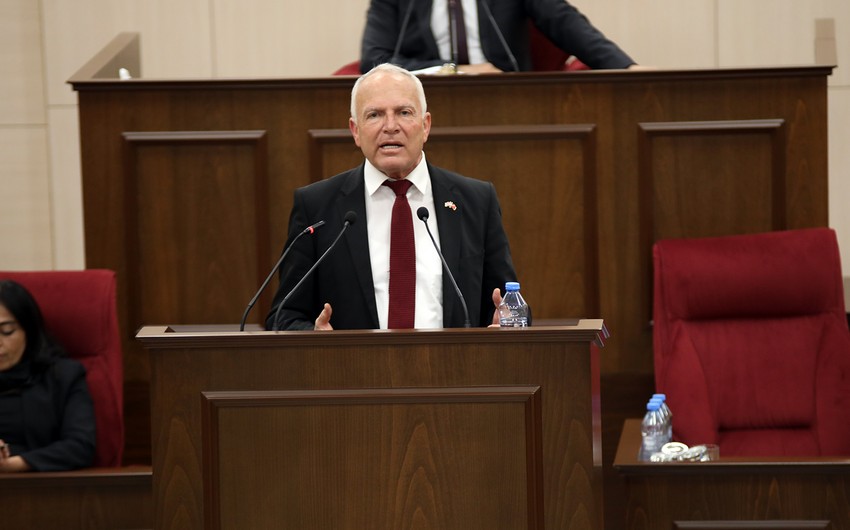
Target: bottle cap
(512,286)
(662,397)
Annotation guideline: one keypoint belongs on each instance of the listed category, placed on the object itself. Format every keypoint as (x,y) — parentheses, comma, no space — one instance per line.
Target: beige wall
(43,42)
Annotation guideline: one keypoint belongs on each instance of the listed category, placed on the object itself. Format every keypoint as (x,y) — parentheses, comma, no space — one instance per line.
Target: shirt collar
(419,177)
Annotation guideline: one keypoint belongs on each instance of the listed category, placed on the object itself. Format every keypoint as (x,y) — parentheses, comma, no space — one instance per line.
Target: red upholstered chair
(79,309)
(546,57)
(352,68)
(751,342)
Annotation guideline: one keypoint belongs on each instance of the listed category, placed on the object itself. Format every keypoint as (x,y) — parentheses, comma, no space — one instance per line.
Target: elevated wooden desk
(461,428)
(732,493)
(88,498)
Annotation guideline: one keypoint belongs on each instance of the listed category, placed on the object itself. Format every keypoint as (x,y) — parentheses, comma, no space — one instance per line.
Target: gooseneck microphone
(423,215)
(309,230)
(350,219)
(402,31)
(500,35)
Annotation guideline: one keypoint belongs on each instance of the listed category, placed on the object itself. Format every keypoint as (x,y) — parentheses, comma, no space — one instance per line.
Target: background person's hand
(323,322)
(483,68)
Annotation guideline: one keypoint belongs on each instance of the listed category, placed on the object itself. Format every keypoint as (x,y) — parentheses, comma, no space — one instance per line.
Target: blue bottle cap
(512,286)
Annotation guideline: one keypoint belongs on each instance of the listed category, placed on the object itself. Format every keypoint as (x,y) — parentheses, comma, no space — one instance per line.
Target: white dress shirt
(440,29)
(429,267)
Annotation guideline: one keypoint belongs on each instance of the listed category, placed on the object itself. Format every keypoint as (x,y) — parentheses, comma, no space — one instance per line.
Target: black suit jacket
(559,21)
(472,240)
(58,419)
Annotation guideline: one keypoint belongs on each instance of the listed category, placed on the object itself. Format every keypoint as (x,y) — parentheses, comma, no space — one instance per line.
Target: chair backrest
(352,68)
(79,309)
(751,343)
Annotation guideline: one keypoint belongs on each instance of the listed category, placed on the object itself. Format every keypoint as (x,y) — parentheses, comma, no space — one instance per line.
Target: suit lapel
(450,228)
(421,19)
(352,198)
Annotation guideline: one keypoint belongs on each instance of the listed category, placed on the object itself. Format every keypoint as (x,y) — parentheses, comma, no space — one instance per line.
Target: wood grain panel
(86,498)
(458,458)
(709,178)
(201,194)
(703,179)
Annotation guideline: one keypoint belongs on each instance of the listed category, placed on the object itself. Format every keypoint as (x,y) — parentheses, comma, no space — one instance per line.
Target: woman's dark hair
(40,348)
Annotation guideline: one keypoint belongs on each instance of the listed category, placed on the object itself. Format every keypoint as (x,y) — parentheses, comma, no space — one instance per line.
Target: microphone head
(350,217)
(422,213)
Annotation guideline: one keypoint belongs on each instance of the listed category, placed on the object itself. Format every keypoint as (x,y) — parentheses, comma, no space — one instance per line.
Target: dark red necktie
(402,259)
(457,33)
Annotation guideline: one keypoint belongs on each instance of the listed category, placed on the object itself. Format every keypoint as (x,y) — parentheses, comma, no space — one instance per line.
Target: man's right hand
(323,322)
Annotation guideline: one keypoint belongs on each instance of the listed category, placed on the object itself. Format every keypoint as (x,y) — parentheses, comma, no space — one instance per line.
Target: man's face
(390,128)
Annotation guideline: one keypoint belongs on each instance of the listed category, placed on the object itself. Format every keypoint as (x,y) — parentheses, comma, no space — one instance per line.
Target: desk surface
(732,492)
(88,498)
(627,462)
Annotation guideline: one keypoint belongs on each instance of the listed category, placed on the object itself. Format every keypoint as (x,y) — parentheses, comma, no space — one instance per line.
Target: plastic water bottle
(651,430)
(665,420)
(513,311)
(667,414)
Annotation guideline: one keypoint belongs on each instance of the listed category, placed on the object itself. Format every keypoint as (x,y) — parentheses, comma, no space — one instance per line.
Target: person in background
(497,35)
(47,420)
(352,289)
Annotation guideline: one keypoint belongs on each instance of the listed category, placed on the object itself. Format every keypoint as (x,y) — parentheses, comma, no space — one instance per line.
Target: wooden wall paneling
(701,179)
(201,194)
(711,178)
(625,243)
(482,440)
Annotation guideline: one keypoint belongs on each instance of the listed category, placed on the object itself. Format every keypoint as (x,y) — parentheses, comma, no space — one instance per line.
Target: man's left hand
(497,301)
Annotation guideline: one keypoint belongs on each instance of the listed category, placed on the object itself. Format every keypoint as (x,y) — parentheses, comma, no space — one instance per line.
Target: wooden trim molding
(751,525)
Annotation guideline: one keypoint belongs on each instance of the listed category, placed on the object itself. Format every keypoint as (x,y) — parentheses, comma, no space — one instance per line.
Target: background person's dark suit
(559,21)
(57,416)
(472,239)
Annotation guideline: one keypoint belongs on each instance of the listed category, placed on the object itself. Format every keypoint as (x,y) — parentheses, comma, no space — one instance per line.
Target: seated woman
(47,418)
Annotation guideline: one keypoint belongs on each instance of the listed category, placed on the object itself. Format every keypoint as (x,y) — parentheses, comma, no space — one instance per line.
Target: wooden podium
(443,429)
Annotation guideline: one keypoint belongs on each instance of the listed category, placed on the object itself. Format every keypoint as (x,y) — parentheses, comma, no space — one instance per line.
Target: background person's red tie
(402,259)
